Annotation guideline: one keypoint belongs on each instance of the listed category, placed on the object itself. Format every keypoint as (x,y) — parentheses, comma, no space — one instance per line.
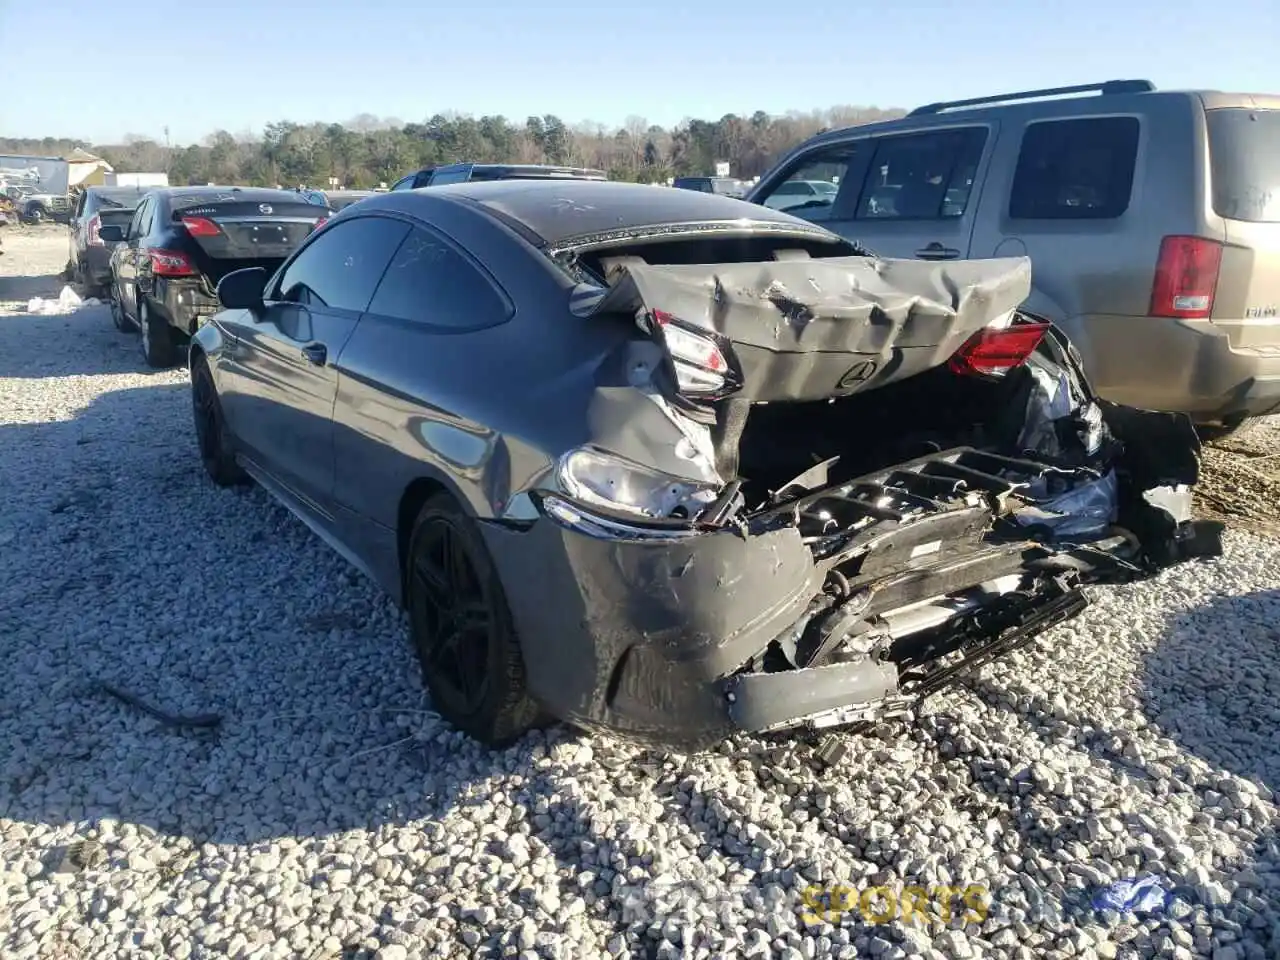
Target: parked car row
(676,464)
(165,261)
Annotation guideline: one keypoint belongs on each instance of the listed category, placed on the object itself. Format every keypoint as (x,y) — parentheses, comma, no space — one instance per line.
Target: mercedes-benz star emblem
(859,373)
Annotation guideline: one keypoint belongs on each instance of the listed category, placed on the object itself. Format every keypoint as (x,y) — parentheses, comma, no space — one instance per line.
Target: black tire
(213,439)
(462,630)
(158,349)
(118,319)
(37,214)
(87,285)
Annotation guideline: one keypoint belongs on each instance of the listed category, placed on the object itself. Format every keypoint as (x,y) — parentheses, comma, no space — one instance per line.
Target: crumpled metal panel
(809,329)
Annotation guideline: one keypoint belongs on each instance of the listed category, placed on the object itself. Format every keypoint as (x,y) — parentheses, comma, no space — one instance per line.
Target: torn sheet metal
(819,328)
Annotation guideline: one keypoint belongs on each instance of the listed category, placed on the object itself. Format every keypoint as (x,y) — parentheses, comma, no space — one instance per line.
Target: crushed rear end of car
(818,489)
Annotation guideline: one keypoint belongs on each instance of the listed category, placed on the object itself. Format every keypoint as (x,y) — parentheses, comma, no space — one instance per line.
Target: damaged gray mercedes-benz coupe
(676,466)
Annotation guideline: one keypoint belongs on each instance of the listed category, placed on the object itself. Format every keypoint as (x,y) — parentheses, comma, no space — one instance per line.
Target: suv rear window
(1244,154)
(1075,169)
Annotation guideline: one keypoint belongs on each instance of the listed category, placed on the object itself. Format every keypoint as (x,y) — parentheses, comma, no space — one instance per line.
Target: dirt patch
(1240,479)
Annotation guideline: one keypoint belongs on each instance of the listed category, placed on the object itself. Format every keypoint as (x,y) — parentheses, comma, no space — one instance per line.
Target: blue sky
(238,65)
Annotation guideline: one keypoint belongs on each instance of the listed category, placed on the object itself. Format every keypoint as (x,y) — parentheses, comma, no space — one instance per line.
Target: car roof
(524,170)
(1127,95)
(558,211)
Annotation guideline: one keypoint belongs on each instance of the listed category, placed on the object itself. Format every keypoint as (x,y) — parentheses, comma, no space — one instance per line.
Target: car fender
(1046,307)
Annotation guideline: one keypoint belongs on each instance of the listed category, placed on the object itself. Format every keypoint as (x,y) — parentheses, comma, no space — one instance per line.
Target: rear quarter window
(431,282)
(1080,169)
(1244,157)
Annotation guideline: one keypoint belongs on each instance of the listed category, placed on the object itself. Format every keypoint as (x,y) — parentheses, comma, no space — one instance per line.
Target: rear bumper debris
(184,302)
(843,606)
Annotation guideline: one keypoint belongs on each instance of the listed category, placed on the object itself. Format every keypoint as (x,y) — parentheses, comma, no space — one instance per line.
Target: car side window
(1080,169)
(404,183)
(817,184)
(441,177)
(922,176)
(341,267)
(135,225)
(431,281)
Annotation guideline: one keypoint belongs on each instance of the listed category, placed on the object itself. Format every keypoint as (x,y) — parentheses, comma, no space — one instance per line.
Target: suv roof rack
(1107,88)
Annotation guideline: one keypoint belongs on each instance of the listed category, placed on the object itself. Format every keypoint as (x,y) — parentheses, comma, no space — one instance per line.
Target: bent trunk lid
(809,329)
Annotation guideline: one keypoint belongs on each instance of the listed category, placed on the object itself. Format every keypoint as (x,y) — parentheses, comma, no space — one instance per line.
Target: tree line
(367,150)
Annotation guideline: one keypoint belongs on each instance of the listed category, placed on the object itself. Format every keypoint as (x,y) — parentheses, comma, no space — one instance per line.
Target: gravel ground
(331,815)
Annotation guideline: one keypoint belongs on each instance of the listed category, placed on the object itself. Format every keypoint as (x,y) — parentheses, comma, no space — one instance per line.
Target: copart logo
(860,372)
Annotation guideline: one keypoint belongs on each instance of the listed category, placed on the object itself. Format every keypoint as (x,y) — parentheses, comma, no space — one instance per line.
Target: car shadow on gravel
(47,286)
(99,587)
(82,343)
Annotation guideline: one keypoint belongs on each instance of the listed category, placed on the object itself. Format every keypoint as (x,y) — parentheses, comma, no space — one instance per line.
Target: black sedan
(182,240)
(675,465)
(99,207)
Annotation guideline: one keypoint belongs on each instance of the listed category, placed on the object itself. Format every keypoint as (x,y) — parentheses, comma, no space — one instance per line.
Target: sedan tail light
(319,223)
(993,352)
(201,227)
(171,263)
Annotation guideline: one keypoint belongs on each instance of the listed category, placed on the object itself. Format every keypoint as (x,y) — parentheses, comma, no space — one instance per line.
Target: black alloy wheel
(212,436)
(462,631)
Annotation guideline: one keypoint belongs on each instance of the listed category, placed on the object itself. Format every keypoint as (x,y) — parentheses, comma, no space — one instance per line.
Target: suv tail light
(701,366)
(91,229)
(171,263)
(1186,278)
(201,227)
(994,352)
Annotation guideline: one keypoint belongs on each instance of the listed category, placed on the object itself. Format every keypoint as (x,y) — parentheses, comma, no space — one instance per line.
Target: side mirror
(242,289)
(111,233)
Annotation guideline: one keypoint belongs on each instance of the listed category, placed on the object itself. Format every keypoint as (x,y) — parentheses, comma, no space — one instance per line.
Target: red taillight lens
(91,231)
(171,263)
(319,223)
(1186,278)
(701,367)
(201,227)
(992,353)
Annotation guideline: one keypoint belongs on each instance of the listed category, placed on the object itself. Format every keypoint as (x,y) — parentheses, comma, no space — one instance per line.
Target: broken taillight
(92,235)
(701,367)
(992,352)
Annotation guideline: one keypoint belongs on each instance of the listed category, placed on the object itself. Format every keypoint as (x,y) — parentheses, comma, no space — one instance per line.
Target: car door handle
(936,251)
(315,353)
